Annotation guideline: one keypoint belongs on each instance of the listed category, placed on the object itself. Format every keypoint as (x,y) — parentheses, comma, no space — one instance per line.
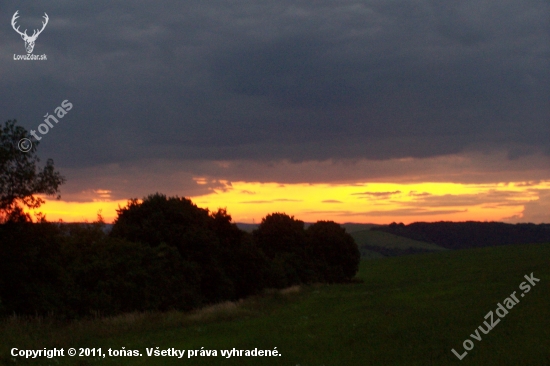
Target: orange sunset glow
(379,203)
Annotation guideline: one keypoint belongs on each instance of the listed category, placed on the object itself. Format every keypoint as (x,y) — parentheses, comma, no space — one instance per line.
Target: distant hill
(470,234)
(389,245)
(107,228)
(350,227)
(247,227)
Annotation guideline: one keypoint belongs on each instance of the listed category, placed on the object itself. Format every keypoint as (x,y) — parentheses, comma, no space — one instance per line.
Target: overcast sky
(282,91)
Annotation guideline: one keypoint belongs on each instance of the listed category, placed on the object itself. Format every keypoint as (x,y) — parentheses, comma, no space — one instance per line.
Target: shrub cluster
(162,253)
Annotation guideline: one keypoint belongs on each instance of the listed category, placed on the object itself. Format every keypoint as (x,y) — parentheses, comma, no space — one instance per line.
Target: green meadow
(366,239)
(387,240)
(409,310)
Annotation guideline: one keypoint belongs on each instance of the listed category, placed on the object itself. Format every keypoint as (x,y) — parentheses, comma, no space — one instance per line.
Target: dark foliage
(111,276)
(31,272)
(322,253)
(180,224)
(280,233)
(282,238)
(20,177)
(333,252)
(229,264)
(70,270)
(162,254)
(243,262)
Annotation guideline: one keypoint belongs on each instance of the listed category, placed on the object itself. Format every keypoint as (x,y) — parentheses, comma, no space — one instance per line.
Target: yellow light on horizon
(380,203)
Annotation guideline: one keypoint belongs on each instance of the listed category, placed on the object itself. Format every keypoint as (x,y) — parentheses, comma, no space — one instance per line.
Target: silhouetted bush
(333,253)
(322,253)
(76,270)
(282,238)
(228,263)
(243,262)
(31,271)
(180,224)
(114,276)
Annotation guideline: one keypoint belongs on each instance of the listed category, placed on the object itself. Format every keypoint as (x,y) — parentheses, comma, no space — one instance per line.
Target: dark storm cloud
(272,80)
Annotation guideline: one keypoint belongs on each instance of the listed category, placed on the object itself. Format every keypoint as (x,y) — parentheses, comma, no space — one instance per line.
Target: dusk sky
(352,111)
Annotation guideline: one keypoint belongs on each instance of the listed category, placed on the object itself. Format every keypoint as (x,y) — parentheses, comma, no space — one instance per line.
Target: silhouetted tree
(333,252)
(282,238)
(243,262)
(20,178)
(280,233)
(178,223)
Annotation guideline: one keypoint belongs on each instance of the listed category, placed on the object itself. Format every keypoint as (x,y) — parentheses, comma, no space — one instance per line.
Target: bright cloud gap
(379,203)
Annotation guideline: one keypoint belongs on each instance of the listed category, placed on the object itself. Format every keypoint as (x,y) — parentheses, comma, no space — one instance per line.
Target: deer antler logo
(29,41)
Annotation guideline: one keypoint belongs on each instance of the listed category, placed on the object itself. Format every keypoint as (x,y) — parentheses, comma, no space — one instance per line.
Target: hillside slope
(390,245)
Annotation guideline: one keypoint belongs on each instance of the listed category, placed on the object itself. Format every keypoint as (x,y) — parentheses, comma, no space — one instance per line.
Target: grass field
(370,254)
(409,310)
(387,240)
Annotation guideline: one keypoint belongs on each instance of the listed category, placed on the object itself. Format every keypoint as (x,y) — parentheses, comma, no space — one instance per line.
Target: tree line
(162,253)
(470,234)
